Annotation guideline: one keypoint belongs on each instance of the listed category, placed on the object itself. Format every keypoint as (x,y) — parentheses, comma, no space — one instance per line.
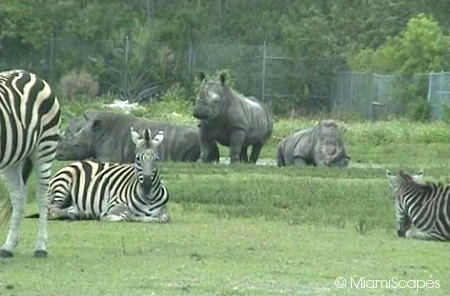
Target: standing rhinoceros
(322,145)
(105,136)
(232,120)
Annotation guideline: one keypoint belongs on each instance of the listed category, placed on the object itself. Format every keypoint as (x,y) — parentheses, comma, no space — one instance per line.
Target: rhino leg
(256,150)
(298,161)
(209,152)
(192,154)
(237,138)
(213,155)
(243,156)
(208,146)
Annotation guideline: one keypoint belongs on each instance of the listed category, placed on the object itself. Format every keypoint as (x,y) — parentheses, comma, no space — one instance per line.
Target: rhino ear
(135,136)
(96,124)
(223,77)
(201,76)
(90,114)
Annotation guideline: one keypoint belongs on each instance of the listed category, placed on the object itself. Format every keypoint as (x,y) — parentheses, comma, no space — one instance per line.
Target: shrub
(79,83)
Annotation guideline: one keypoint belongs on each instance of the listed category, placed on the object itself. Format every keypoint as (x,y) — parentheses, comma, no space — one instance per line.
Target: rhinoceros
(231,119)
(104,136)
(322,145)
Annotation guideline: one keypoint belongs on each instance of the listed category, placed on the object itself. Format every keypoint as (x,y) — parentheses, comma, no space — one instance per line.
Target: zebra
(110,191)
(29,134)
(424,205)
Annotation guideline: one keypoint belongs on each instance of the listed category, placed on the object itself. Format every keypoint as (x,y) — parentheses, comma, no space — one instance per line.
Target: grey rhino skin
(105,136)
(232,120)
(322,145)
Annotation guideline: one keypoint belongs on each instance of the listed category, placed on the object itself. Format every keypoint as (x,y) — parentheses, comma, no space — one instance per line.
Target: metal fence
(129,66)
(375,97)
(439,95)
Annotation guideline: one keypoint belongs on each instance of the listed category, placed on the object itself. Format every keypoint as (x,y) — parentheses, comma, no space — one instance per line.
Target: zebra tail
(5,213)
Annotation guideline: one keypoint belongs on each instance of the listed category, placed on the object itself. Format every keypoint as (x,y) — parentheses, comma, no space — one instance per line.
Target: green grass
(253,229)
(240,230)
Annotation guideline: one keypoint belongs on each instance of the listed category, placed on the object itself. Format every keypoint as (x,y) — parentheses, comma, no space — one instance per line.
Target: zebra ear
(158,138)
(418,178)
(392,179)
(135,136)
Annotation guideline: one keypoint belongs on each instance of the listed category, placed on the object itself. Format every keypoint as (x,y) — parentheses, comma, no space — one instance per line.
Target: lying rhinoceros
(322,145)
(105,136)
(232,120)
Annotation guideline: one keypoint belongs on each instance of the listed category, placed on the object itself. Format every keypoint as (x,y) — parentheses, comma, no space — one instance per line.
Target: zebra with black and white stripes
(29,134)
(110,191)
(426,206)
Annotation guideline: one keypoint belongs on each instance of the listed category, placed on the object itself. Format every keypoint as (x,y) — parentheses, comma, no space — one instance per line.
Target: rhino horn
(335,156)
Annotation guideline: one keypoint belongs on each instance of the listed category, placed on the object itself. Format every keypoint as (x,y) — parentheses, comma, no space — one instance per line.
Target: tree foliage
(130,47)
(422,47)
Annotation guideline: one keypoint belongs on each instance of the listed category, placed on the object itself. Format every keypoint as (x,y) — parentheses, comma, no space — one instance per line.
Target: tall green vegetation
(137,49)
(420,48)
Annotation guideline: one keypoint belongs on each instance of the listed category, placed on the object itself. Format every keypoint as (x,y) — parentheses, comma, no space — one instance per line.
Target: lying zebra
(426,206)
(110,191)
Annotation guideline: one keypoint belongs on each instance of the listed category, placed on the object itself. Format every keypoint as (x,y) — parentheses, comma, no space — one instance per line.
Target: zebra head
(146,154)
(396,181)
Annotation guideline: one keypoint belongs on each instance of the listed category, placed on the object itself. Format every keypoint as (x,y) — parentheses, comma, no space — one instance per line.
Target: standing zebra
(426,206)
(110,191)
(29,133)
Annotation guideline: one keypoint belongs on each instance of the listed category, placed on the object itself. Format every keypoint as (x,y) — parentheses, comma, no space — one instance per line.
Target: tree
(422,47)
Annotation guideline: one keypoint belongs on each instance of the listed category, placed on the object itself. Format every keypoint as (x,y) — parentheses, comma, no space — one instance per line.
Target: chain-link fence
(375,97)
(439,96)
(133,68)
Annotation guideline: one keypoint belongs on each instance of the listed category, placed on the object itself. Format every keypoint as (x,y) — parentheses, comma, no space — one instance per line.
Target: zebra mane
(407,180)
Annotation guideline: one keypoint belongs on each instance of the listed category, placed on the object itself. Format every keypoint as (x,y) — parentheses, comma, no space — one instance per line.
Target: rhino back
(113,141)
(300,144)
(251,116)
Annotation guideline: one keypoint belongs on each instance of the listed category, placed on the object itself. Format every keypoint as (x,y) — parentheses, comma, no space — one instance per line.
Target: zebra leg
(69,213)
(18,195)
(116,213)
(417,234)
(163,218)
(43,171)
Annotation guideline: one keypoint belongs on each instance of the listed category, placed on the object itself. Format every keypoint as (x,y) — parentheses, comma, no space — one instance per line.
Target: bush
(79,84)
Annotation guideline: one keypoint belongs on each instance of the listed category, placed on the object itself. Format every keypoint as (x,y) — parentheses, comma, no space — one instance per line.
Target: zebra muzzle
(401,233)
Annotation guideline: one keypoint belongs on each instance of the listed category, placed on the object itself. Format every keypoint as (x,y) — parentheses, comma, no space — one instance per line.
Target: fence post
(263,84)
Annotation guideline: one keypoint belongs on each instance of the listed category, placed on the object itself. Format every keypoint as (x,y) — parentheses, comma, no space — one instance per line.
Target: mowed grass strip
(204,255)
(236,230)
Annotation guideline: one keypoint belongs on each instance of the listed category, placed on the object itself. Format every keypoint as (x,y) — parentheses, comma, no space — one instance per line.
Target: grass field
(256,230)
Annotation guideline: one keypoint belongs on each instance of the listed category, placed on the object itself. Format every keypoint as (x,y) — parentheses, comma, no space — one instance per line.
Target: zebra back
(29,118)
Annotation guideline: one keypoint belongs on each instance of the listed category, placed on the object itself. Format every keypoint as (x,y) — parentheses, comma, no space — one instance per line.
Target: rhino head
(329,147)
(211,99)
(78,140)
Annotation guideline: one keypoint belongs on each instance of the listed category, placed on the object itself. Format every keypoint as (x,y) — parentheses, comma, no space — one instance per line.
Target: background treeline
(139,50)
